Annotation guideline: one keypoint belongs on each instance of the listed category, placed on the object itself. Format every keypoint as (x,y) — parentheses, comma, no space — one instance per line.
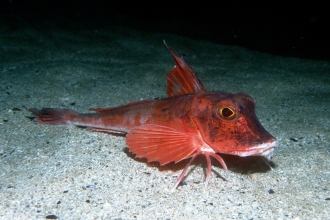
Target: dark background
(296,29)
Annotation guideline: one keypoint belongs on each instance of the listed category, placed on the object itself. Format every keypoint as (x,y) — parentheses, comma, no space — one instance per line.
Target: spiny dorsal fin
(182,79)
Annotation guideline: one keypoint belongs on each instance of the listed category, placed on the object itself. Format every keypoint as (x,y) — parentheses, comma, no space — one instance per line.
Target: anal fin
(105,130)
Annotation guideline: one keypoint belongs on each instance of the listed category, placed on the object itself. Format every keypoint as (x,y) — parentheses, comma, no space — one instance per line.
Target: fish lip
(265,150)
(269,150)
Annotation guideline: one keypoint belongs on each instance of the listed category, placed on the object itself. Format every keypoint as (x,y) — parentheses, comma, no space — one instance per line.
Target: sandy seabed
(67,172)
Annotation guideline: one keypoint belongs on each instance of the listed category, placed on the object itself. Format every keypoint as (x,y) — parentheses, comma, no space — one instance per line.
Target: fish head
(228,124)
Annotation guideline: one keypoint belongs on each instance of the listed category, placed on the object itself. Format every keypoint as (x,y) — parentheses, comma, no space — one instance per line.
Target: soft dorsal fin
(182,79)
(118,107)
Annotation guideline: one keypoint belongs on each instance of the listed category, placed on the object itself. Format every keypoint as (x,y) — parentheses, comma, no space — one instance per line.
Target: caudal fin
(53,116)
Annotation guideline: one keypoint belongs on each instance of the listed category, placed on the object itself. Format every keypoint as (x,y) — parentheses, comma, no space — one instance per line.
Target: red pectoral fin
(182,79)
(160,143)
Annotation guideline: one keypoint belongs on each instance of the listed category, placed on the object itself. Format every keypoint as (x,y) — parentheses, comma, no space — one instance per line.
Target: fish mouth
(268,151)
(265,150)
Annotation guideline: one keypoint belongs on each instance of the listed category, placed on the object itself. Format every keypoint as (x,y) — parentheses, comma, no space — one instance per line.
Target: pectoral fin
(165,144)
(161,143)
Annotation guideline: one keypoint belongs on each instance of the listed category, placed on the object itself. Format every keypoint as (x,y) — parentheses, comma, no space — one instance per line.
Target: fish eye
(227,112)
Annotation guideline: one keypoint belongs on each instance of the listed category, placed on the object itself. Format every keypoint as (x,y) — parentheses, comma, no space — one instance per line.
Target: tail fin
(53,116)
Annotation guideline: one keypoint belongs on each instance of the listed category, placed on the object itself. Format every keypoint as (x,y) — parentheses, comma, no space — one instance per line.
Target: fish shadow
(248,165)
(236,164)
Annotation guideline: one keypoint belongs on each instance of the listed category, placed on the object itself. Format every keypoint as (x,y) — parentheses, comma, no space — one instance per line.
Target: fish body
(191,121)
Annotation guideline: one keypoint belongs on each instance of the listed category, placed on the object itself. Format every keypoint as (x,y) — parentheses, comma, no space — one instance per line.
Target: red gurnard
(190,122)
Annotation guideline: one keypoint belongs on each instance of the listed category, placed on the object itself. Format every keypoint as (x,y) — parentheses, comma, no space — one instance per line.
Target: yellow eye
(227,112)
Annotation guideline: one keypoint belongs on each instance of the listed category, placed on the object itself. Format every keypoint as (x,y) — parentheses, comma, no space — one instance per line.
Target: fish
(190,121)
